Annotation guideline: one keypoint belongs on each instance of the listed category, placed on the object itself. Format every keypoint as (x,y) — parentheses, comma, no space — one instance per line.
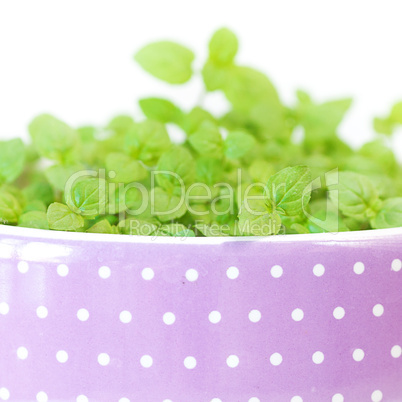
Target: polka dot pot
(309,318)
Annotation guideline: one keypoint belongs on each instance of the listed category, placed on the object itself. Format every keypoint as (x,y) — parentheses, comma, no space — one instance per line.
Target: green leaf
(383,126)
(238,143)
(121,124)
(35,205)
(39,189)
(167,61)
(167,206)
(161,110)
(389,216)
(193,120)
(215,76)
(289,190)
(60,217)
(256,220)
(12,159)
(356,196)
(175,170)
(320,121)
(122,169)
(396,113)
(10,208)
(58,175)
(53,139)
(103,226)
(34,219)
(147,141)
(253,95)
(223,46)
(87,197)
(207,140)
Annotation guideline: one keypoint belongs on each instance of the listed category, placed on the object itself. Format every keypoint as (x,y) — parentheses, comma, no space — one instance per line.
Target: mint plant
(237,174)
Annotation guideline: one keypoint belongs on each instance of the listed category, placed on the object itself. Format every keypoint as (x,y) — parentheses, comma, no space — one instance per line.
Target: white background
(74,58)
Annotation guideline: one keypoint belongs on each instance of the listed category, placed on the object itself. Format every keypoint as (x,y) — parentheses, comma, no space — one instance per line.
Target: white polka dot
(62,356)
(296,398)
(338,398)
(190,362)
(41,396)
(83,314)
(146,361)
(167,400)
(254,399)
(254,315)
(103,359)
(214,317)
(216,400)
(318,357)
(378,310)
(376,396)
(4,308)
(169,318)
(125,317)
(62,270)
(41,312)
(4,394)
(232,361)
(276,271)
(358,268)
(396,351)
(23,267)
(81,398)
(191,275)
(276,359)
(22,353)
(319,270)
(297,314)
(104,272)
(124,400)
(147,274)
(232,272)
(396,265)
(339,313)
(358,355)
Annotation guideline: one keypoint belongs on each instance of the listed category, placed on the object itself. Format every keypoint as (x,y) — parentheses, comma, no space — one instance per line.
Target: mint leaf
(52,138)
(10,208)
(12,159)
(147,141)
(288,191)
(356,195)
(255,219)
(58,175)
(238,143)
(103,226)
(167,61)
(34,219)
(167,206)
(389,216)
(223,47)
(175,170)
(122,169)
(87,197)
(207,140)
(60,217)
(161,110)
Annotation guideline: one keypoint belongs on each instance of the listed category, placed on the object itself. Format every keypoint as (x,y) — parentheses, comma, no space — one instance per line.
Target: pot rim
(353,236)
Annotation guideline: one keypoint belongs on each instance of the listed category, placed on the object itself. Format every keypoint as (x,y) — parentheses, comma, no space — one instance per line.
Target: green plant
(240,173)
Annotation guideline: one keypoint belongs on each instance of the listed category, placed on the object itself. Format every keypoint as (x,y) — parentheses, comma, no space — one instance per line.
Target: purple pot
(86,317)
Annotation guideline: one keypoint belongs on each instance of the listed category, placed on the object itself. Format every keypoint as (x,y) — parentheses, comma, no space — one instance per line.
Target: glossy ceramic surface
(118,318)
